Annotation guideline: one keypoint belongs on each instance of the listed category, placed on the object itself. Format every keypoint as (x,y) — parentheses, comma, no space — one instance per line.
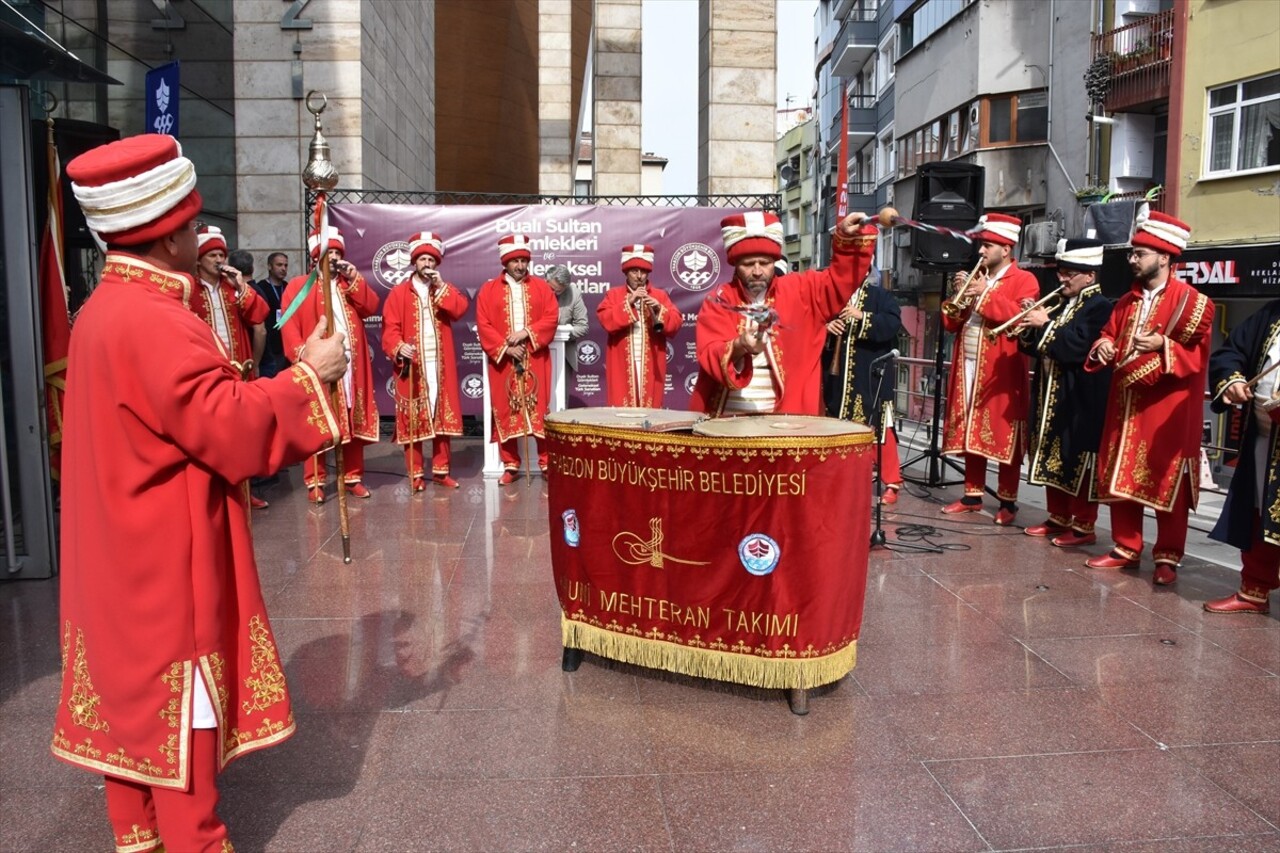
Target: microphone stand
(877,426)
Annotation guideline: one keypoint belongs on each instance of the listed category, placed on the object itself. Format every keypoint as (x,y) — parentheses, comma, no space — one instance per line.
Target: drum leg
(571,660)
(798,699)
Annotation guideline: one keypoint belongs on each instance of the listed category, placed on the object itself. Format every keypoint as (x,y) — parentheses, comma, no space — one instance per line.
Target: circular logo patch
(391,264)
(572,533)
(473,386)
(588,352)
(690,381)
(759,554)
(695,266)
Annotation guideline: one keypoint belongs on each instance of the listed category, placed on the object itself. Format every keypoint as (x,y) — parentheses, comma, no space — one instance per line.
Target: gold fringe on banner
(770,673)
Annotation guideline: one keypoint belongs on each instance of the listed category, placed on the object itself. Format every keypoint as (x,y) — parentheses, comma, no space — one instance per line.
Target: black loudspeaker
(948,195)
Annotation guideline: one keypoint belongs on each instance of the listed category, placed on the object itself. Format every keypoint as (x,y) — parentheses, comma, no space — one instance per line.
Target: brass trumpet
(959,303)
(1049,303)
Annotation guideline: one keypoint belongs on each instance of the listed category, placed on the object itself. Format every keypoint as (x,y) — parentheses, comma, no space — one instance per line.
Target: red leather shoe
(890,496)
(1074,539)
(257,502)
(1046,529)
(419,484)
(358,490)
(315,494)
(1166,573)
(1235,604)
(445,480)
(1111,561)
(507,478)
(1006,517)
(960,506)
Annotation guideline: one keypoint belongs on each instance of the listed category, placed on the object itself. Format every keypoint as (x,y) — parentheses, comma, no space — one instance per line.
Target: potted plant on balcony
(1093,194)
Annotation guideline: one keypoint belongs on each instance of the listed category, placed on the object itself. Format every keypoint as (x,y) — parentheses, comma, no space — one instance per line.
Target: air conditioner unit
(1040,239)
(974,113)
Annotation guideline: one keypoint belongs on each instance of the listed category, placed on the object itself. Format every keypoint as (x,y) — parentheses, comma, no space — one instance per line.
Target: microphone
(891,354)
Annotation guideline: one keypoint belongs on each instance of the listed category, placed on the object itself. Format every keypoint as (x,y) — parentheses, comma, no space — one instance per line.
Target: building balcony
(862,122)
(1139,57)
(855,44)
(862,196)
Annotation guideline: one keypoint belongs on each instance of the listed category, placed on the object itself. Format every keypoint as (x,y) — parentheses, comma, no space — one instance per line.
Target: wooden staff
(1263,375)
(335,394)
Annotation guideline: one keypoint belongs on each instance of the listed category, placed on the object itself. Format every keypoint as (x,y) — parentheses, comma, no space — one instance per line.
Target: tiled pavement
(1005,698)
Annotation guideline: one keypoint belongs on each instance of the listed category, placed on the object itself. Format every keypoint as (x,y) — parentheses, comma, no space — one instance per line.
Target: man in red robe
(760,336)
(353,300)
(169,669)
(225,301)
(516,316)
(640,319)
(1157,340)
(417,335)
(987,390)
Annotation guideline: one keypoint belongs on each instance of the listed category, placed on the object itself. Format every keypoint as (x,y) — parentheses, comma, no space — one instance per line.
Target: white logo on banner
(588,352)
(690,381)
(695,266)
(163,123)
(473,386)
(671,352)
(391,264)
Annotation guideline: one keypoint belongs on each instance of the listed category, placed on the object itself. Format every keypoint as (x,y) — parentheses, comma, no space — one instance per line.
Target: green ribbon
(297,300)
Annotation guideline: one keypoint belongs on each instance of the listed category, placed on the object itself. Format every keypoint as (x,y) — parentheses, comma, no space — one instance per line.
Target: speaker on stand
(948,195)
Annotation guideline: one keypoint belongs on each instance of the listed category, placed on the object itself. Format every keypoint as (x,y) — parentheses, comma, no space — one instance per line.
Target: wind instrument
(1049,303)
(959,303)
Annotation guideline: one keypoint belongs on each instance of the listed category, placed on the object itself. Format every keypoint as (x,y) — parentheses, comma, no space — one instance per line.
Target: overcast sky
(670,73)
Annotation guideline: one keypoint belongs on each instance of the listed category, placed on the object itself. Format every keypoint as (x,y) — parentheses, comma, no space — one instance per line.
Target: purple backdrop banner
(688,261)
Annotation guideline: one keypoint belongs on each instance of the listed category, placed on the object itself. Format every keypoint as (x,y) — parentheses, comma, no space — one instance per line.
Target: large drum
(738,552)
(623,417)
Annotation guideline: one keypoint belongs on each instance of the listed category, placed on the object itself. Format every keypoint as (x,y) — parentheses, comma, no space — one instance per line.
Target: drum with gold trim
(777,426)
(624,417)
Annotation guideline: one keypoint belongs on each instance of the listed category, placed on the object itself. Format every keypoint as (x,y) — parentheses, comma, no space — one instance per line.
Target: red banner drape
(55,325)
(742,560)
(842,176)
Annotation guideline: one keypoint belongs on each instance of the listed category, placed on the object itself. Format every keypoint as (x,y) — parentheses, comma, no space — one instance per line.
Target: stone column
(555,98)
(737,96)
(616,121)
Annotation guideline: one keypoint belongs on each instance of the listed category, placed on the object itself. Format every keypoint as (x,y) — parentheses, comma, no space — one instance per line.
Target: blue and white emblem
(759,554)
(571,530)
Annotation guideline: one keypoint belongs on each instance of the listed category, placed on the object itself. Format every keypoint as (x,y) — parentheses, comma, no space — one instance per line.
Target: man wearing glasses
(1157,342)
(1067,402)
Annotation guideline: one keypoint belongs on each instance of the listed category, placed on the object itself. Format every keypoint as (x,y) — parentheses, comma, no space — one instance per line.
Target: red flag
(842,176)
(55,325)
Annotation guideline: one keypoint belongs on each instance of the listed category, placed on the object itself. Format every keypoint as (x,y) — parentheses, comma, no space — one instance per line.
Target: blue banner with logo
(162,99)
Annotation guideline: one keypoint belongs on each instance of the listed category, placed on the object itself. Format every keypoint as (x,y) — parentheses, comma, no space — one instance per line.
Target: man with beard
(987,390)
(417,335)
(516,316)
(1250,518)
(640,319)
(1068,402)
(759,337)
(1157,342)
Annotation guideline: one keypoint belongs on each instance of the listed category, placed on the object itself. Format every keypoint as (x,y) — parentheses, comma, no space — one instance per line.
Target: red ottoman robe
(359,301)
(1151,432)
(401,314)
(994,424)
(617,316)
(804,301)
(174,557)
(242,314)
(519,402)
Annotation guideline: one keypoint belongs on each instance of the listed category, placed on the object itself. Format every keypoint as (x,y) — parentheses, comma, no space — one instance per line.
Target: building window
(1244,127)
(1017,119)
(999,120)
(886,156)
(581,189)
(885,59)
(929,17)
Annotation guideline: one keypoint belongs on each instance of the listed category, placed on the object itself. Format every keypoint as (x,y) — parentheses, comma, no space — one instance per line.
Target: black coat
(849,391)
(273,360)
(1241,356)
(1068,404)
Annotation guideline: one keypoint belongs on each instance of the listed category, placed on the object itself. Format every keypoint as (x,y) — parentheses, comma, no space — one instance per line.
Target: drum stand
(877,426)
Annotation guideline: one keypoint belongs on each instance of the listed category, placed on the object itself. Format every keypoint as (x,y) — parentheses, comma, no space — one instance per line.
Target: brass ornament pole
(320,175)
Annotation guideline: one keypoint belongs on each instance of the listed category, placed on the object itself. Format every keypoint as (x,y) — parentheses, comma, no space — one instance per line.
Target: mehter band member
(417,335)
(1157,341)
(169,666)
(1245,371)
(226,300)
(1067,402)
(639,319)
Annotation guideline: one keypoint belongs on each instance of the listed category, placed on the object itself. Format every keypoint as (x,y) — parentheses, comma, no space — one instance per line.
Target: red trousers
(142,817)
(891,466)
(509,453)
(1171,528)
(1261,572)
(315,469)
(440,450)
(1065,510)
(975,477)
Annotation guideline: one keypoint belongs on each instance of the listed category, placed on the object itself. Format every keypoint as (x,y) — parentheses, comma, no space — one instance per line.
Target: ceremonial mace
(320,176)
